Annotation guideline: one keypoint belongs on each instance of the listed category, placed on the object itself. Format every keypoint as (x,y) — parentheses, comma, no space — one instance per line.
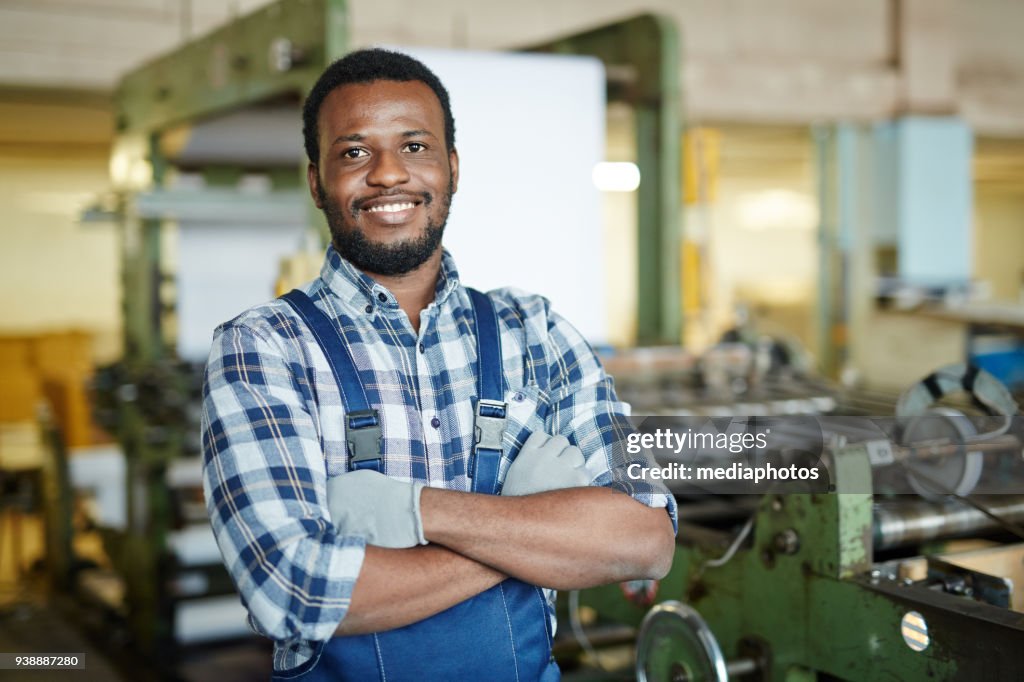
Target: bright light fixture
(777,209)
(616,176)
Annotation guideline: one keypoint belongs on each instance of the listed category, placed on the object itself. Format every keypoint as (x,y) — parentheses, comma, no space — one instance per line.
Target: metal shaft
(945,448)
(740,667)
(908,523)
(733,669)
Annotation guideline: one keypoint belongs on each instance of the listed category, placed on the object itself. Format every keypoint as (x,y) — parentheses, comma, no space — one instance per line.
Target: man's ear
(313,178)
(453,163)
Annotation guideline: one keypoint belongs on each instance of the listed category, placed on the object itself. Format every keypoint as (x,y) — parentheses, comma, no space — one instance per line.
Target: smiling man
(400,470)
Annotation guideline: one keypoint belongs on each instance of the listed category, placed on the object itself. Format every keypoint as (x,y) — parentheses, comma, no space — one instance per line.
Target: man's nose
(387,170)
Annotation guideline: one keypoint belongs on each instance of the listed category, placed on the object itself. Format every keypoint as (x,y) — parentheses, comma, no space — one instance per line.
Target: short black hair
(366,66)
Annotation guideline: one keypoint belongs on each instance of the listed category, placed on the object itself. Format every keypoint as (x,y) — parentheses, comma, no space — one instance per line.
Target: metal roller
(910,523)
(253,137)
(958,473)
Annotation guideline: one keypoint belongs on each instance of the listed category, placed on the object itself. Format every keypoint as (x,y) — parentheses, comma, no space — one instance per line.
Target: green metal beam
(641,57)
(278,50)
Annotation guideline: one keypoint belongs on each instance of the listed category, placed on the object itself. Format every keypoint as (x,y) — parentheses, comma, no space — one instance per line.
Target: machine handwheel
(676,645)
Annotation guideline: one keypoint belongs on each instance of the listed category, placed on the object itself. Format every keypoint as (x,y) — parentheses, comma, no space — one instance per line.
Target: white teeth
(391,208)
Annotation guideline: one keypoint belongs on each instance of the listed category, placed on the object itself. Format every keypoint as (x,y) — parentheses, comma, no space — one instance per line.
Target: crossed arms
(563,539)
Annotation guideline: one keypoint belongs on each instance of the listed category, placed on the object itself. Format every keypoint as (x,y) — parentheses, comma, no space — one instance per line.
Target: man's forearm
(564,539)
(397,587)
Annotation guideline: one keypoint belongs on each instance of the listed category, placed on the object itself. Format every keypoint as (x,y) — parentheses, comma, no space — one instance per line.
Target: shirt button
(369,309)
(382,297)
(519,397)
(423,349)
(435,422)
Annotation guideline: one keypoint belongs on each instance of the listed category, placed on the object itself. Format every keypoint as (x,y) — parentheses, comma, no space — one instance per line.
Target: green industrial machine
(858,581)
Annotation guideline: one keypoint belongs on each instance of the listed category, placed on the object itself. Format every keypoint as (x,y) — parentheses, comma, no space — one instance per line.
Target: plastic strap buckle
(489,426)
(363,435)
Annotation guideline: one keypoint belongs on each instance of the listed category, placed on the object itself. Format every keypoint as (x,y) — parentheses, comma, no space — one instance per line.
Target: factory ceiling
(782,62)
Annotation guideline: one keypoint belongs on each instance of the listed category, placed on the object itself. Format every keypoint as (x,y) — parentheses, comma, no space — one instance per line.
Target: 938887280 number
(41,661)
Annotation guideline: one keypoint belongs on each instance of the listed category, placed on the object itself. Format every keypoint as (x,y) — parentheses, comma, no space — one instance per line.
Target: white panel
(529,129)
(222,270)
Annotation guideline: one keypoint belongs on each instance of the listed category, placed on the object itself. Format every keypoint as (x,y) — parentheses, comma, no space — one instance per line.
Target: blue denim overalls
(500,634)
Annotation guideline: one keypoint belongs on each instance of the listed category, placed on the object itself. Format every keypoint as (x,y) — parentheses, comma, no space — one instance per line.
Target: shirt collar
(346,282)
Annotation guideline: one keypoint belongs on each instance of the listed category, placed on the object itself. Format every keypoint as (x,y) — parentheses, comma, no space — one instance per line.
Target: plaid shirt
(273,430)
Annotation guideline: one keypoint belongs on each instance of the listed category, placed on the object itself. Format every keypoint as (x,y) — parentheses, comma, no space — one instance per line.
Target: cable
(731,551)
(991,434)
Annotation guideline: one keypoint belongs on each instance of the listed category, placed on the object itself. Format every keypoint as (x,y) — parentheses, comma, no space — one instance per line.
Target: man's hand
(384,511)
(545,463)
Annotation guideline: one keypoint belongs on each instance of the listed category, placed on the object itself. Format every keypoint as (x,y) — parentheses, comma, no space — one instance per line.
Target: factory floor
(34,623)
(29,625)
(25,626)
(35,619)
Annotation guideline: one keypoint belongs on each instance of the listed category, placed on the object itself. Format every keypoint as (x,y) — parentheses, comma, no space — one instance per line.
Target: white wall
(999,244)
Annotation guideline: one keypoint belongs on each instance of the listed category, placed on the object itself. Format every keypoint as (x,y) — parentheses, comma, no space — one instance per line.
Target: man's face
(385,178)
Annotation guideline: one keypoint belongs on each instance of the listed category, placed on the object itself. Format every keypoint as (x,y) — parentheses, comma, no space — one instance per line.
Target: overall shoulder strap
(362,424)
(491,409)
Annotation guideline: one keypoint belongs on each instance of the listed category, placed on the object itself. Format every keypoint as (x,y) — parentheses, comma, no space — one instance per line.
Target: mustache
(357,204)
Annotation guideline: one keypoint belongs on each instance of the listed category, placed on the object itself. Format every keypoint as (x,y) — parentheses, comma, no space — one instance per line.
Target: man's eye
(353,153)
(415,147)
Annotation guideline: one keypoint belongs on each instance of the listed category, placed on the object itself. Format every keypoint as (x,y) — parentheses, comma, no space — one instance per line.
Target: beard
(384,259)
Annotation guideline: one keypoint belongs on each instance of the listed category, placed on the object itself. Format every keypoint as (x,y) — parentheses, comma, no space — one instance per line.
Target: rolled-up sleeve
(586,410)
(264,480)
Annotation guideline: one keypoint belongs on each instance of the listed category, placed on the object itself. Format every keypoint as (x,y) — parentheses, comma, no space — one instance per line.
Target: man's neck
(415,289)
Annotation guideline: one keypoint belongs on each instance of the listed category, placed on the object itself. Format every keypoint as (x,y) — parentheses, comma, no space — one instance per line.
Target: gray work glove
(384,511)
(545,463)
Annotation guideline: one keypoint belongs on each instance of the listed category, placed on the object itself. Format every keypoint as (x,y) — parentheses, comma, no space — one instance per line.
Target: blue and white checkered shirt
(273,429)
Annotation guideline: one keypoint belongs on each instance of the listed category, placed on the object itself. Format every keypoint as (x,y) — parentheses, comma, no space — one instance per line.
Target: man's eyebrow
(354,137)
(418,133)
